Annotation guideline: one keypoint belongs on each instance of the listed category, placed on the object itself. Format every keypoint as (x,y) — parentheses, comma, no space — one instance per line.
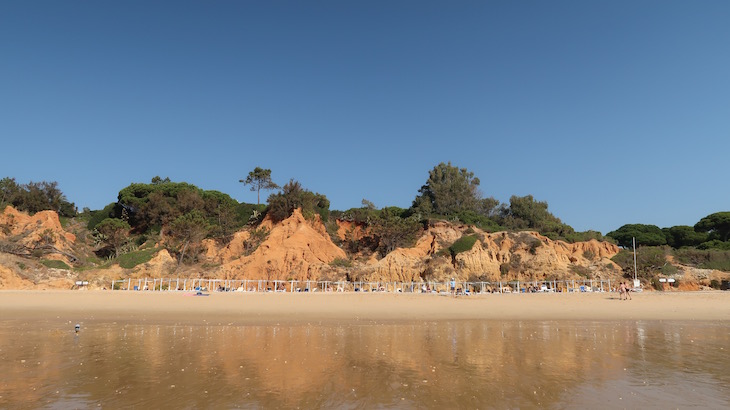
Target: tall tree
(717,224)
(157,180)
(683,235)
(189,229)
(259,179)
(9,190)
(525,212)
(447,191)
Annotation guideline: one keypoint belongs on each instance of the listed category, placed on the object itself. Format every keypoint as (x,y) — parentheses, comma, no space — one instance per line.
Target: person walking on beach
(621,291)
(627,292)
(453,287)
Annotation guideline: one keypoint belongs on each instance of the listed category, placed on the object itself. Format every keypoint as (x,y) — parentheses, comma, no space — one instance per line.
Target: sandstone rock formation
(30,230)
(293,249)
(496,256)
(301,249)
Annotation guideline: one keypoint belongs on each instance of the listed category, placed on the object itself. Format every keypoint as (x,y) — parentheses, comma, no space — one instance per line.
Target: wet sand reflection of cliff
(431,364)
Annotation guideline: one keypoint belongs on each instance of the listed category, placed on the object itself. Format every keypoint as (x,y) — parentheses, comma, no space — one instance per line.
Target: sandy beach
(242,308)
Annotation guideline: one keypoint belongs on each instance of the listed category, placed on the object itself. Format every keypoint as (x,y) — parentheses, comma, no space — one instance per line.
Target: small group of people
(624,291)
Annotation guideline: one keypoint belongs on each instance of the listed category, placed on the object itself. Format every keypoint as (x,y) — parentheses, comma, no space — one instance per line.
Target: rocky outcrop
(42,230)
(292,249)
(494,257)
(302,249)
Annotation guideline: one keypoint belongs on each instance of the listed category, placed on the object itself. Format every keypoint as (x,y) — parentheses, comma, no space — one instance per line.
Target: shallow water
(463,364)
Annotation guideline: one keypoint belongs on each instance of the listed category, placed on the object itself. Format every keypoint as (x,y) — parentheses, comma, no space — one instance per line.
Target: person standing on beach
(627,292)
(621,291)
(453,287)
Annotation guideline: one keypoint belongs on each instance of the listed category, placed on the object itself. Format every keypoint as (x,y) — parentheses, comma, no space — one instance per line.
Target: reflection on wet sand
(468,364)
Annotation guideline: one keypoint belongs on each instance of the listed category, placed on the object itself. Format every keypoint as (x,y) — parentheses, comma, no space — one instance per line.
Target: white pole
(634,242)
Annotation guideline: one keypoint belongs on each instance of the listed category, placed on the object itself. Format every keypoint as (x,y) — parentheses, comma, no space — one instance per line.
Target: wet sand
(243,308)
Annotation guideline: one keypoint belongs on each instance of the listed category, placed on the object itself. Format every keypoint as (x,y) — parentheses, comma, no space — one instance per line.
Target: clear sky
(613,112)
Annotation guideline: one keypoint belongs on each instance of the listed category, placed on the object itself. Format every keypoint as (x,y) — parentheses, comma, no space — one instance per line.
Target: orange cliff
(301,249)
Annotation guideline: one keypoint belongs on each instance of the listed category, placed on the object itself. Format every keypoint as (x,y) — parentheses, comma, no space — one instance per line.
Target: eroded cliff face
(495,256)
(293,249)
(42,229)
(301,249)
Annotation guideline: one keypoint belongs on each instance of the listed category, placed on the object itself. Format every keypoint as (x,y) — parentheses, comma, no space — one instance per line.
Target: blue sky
(613,112)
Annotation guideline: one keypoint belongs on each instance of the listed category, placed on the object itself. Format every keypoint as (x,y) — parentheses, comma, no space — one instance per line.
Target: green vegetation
(650,260)
(182,215)
(646,235)
(717,225)
(581,271)
(55,264)
(132,259)
(448,191)
(113,233)
(463,244)
(187,229)
(588,254)
(452,193)
(34,197)
(341,263)
(525,213)
(255,239)
(259,179)
(715,244)
(293,196)
(394,229)
(705,259)
(711,232)
(95,217)
(683,235)
(150,207)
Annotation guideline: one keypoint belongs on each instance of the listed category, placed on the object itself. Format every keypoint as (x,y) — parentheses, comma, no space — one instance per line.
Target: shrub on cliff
(705,259)
(113,233)
(392,230)
(650,260)
(463,244)
(97,216)
(132,259)
(293,196)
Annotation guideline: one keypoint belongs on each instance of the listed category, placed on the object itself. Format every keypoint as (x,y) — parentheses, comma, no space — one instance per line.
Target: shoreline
(266,308)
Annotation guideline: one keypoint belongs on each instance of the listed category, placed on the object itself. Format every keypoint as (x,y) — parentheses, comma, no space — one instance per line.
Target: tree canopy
(392,229)
(717,225)
(447,191)
(158,204)
(682,235)
(293,196)
(524,212)
(259,179)
(34,197)
(646,235)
